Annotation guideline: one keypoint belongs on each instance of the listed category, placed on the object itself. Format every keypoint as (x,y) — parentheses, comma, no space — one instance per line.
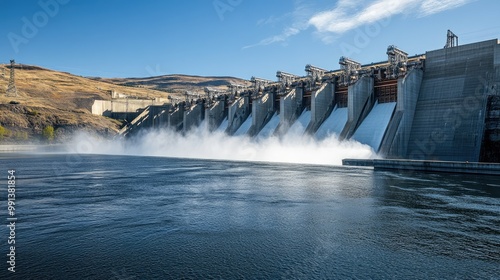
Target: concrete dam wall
(215,115)
(451,110)
(442,105)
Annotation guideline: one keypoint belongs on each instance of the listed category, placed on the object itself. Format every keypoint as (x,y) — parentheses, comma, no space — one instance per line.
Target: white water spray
(201,144)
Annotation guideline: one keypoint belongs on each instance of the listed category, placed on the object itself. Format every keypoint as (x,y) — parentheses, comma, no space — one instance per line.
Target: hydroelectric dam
(443,105)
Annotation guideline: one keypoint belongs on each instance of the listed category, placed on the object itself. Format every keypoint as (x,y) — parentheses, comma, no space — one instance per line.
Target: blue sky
(241,38)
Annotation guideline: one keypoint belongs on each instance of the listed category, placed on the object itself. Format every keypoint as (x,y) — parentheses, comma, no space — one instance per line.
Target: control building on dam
(441,105)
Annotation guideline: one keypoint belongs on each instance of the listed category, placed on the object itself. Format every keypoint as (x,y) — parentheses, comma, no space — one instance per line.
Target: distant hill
(178,84)
(64,101)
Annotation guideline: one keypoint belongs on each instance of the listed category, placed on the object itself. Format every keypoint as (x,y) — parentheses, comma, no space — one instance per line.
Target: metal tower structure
(191,97)
(235,89)
(259,84)
(212,94)
(286,79)
(174,100)
(314,72)
(349,69)
(398,60)
(11,89)
(451,40)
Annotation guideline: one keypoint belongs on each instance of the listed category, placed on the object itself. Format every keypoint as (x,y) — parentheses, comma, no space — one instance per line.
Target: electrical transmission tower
(11,89)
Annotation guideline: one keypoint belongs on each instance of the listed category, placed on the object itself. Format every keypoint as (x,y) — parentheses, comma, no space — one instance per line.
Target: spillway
(222,127)
(243,129)
(441,105)
(299,126)
(333,124)
(372,129)
(270,127)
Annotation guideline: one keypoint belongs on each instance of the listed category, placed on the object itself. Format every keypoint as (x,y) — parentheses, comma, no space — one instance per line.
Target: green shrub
(4,132)
(48,133)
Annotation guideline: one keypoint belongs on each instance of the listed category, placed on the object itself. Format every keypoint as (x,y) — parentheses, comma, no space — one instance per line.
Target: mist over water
(199,143)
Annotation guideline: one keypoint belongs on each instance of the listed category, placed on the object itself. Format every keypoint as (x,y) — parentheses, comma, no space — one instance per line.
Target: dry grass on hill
(64,101)
(51,98)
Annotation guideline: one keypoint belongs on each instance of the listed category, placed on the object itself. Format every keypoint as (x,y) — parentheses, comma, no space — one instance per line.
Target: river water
(136,217)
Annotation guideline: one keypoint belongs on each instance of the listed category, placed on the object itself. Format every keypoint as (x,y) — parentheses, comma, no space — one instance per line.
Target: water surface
(116,217)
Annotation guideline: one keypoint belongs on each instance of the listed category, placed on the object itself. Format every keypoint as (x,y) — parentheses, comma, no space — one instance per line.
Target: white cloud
(430,7)
(277,38)
(351,14)
(345,16)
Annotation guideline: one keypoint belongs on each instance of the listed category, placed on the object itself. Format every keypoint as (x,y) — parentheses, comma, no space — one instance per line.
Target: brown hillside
(64,101)
(51,98)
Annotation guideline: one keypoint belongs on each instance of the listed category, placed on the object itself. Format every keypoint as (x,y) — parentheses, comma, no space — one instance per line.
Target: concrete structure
(268,130)
(374,126)
(215,114)
(159,115)
(291,106)
(334,124)
(427,166)
(244,127)
(136,124)
(193,115)
(322,104)
(108,107)
(444,105)
(359,102)
(151,116)
(299,127)
(449,120)
(491,140)
(238,112)
(176,116)
(395,143)
(263,109)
